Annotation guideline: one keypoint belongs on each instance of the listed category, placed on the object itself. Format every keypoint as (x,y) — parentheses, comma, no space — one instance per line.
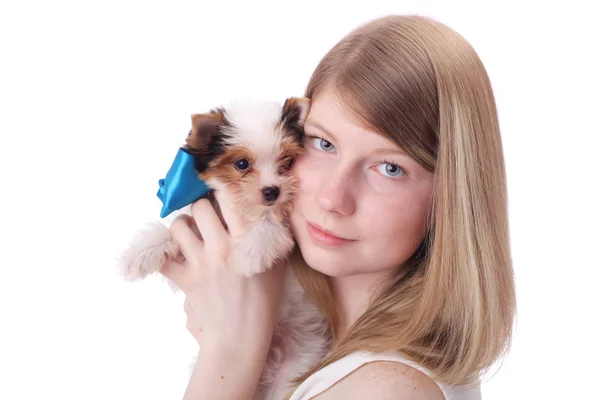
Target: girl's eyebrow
(394,150)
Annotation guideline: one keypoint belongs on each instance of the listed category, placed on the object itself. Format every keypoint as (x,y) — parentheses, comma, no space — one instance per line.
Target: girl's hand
(231,316)
(194,322)
(230,306)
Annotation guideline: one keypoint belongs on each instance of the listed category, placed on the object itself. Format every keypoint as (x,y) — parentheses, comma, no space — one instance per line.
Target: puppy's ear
(295,110)
(204,128)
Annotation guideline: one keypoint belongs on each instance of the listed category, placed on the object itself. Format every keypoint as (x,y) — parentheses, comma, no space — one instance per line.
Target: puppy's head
(245,150)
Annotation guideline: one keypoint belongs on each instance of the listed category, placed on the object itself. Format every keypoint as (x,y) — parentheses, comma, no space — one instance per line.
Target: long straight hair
(419,83)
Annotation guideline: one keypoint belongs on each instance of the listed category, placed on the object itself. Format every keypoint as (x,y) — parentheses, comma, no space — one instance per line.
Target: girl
(401,228)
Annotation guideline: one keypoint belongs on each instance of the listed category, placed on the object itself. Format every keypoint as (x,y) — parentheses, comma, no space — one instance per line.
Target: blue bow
(181,186)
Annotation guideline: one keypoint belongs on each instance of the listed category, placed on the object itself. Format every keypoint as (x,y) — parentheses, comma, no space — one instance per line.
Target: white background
(95,98)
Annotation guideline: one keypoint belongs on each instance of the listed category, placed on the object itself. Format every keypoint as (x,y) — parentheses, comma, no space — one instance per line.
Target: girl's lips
(325,237)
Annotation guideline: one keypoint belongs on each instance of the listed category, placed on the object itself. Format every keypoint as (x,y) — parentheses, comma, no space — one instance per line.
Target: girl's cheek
(299,165)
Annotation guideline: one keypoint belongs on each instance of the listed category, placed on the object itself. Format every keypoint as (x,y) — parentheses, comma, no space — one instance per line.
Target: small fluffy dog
(244,152)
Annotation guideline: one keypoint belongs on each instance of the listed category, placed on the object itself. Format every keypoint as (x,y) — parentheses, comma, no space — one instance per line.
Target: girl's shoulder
(382,379)
(365,374)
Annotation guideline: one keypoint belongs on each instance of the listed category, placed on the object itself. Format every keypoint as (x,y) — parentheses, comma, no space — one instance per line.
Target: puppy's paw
(147,253)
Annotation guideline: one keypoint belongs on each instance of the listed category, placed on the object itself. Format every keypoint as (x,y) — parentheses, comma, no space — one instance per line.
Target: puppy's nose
(270,193)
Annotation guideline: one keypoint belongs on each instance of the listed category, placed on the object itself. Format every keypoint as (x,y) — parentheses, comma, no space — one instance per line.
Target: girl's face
(362,203)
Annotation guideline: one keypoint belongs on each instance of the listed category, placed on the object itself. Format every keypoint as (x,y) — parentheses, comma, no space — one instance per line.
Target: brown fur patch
(293,114)
(222,168)
(204,126)
(290,149)
(296,108)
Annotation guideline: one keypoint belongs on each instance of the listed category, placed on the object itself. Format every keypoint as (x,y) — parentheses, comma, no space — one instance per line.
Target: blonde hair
(419,83)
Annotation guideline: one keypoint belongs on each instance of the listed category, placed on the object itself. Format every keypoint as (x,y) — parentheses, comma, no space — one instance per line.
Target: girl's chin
(334,265)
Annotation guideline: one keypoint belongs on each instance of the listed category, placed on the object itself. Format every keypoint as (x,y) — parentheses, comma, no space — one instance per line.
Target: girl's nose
(336,195)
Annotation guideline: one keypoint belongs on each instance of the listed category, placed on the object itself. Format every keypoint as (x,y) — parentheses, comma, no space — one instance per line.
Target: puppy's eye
(290,162)
(286,164)
(242,164)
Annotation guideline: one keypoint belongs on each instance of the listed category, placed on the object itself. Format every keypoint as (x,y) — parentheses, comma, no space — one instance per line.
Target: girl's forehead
(328,113)
(330,116)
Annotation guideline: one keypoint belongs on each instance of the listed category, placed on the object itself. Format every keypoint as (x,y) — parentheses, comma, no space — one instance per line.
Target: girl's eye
(322,144)
(391,170)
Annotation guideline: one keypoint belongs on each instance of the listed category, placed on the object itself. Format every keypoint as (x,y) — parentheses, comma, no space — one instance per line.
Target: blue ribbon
(181,186)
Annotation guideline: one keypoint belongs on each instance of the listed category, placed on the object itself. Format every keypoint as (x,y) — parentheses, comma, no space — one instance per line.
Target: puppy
(244,152)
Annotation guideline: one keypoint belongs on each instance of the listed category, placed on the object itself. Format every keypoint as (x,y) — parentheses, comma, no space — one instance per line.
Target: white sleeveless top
(325,378)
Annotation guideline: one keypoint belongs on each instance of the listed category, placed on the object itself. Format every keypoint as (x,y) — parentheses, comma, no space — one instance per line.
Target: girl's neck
(353,294)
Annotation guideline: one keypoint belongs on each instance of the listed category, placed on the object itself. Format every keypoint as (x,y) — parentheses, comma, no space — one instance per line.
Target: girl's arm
(227,372)
(235,315)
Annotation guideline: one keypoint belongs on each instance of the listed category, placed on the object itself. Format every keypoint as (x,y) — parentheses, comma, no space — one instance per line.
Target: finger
(194,327)
(189,244)
(210,226)
(192,323)
(232,220)
(187,306)
(177,273)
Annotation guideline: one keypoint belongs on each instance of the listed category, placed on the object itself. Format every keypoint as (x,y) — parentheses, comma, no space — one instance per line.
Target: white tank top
(325,378)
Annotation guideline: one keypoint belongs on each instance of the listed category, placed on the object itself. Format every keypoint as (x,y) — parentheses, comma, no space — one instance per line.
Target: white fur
(147,253)
(252,256)
(302,340)
(257,118)
(301,337)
